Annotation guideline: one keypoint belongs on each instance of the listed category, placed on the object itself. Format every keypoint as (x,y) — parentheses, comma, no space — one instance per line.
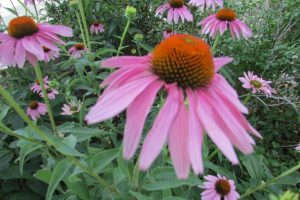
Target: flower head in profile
(176,10)
(36,87)
(30,2)
(168,33)
(182,66)
(36,109)
(25,40)
(221,21)
(257,84)
(206,3)
(77,50)
(96,28)
(71,107)
(51,93)
(50,54)
(219,187)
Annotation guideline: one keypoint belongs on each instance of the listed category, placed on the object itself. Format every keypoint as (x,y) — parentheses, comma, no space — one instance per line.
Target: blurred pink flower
(25,39)
(168,33)
(206,3)
(36,87)
(96,28)
(257,84)
(71,107)
(183,66)
(51,93)
(36,109)
(50,54)
(27,2)
(176,9)
(77,50)
(219,187)
(221,21)
(298,147)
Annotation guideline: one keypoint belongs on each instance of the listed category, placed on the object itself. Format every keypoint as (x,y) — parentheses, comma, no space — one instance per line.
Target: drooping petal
(222,61)
(123,61)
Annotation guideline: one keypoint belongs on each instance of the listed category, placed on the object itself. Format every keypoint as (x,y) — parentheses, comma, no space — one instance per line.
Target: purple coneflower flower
(36,87)
(96,28)
(71,107)
(36,109)
(206,3)
(77,50)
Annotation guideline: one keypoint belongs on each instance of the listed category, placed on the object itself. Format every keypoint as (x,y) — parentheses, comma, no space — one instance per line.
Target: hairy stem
(83,19)
(123,36)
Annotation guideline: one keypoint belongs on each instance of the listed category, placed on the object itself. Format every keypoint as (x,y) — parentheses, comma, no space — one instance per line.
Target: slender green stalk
(22,114)
(36,11)
(81,28)
(123,36)
(42,84)
(102,181)
(27,10)
(3,22)
(13,5)
(215,45)
(247,99)
(213,154)
(272,181)
(83,19)
(136,175)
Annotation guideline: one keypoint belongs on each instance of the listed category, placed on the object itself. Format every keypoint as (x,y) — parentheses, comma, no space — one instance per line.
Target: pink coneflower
(298,147)
(221,21)
(77,50)
(219,187)
(25,39)
(36,87)
(168,33)
(27,2)
(206,3)
(96,28)
(71,107)
(36,109)
(183,66)
(50,54)
(257,84)
(176,9)
(51,93)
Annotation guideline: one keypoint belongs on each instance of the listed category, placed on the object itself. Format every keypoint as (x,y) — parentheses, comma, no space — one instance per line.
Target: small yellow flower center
(185,60)
(21,27)
(256,84)
(46,49)
(223,187)
(176,3)
(33,105)
(79,46)
(226,14)
(74,109)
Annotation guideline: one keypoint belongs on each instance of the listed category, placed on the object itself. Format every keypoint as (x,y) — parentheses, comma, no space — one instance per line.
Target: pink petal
(221,61)
(123,61)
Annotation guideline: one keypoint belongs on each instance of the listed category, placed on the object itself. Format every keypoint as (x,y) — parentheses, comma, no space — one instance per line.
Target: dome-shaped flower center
(176,3)
(185,60)
(256,84)
(37,82)
(169,30)
(223,187)
(33,105)
(226,14)
(74,108)
(46,49)
(96,23)
(21,27)
(48,90)
(79,46)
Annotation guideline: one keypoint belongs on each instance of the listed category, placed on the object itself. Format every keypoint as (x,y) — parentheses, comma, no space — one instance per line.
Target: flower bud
(138,37)
(130,12)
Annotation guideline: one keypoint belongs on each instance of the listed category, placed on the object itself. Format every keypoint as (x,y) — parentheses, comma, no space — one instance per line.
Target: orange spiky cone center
(21,27)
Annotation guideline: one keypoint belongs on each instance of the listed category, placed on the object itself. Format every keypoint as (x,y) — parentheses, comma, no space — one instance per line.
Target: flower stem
(136,175)
(41,81)
(81,28)
(22,114)
(247,99)
(123,36)
(25,7)
(13,5)
(36,11)
(213,154)
(83,19)
(215,45)
(272,181)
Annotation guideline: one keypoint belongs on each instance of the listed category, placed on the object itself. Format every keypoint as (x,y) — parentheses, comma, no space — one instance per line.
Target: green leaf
(79,188)
(44,175)
(26,148)
(5,158)
(139,196)
(4,112)
(58,174)
(102,159)
(123,164)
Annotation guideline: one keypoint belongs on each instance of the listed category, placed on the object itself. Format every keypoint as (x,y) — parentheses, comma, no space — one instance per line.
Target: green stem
(213,154)
(216,43)
(272,181)
(42,84)
(123,36)
(25,7)
(22,114)
(13,5)
(36,11)
(3,22)
(247,99)
(81,28)
(83,19)
(135,176)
